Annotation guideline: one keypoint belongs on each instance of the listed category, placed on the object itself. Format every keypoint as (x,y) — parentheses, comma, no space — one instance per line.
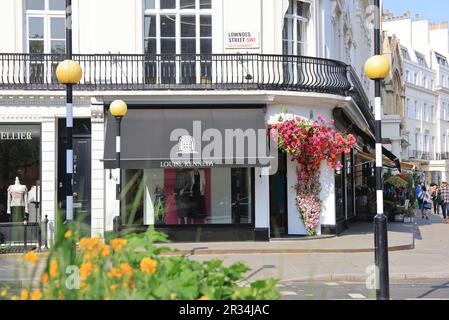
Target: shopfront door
(81,173)
(278,199)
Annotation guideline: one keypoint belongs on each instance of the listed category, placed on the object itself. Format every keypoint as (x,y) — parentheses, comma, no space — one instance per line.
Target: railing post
(46,231)
(25,224)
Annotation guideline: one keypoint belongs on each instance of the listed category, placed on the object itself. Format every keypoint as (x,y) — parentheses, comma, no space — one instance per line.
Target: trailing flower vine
(310,143)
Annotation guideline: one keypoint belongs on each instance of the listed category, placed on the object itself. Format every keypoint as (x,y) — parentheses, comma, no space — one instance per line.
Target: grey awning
(155,138)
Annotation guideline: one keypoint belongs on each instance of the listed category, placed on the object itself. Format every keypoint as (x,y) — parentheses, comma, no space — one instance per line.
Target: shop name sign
(242,40)
(8,135)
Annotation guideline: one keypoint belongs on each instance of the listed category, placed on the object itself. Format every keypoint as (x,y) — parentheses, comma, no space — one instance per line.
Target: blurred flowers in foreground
(132,267)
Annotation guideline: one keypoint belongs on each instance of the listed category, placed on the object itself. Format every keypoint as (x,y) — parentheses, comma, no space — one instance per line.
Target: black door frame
(61,165)
(283,172)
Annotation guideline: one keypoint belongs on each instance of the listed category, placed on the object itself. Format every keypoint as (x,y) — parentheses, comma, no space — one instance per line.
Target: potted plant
(409,214)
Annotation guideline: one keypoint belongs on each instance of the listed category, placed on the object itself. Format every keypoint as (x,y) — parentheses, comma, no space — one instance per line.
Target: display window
(19,172)
(188,196)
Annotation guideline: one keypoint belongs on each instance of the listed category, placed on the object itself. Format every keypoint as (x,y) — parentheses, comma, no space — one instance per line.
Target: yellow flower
(31,257)
(84,286)
(36,295)
(24,295)
(114,287)
(86,270)
(54,268)
(114,273)
(118,244)
(4,292)
(148,265)
(15,297)
(61,296)
(204,298)
(68,234)
(126,269)
(237,293)
(44,277)
(106,251)
(173,295)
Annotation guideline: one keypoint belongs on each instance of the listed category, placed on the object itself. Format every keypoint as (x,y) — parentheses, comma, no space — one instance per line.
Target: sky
(434,10)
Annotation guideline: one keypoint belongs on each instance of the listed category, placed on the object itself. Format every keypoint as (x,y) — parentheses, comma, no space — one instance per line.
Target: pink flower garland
(310,143)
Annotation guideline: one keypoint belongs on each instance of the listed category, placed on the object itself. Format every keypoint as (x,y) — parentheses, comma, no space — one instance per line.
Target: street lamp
(69,73)
(118,109)
(378,68)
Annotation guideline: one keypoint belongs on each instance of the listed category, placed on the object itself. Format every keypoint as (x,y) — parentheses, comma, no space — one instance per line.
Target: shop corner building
(228,64)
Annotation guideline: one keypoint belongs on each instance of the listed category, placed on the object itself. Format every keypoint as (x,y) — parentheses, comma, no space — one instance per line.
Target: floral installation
(309,143)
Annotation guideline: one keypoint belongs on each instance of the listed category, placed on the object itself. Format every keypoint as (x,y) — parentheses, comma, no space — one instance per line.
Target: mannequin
(182,195)
(17,201)
(197,200)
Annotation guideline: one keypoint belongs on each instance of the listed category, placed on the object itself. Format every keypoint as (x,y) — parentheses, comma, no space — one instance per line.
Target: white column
(97,174)
(327,196)
(49,173)
(295,224)
(262,199)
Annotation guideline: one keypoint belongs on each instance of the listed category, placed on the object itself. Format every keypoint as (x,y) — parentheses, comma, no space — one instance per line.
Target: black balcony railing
(187,72)
(413,154)
(442,156)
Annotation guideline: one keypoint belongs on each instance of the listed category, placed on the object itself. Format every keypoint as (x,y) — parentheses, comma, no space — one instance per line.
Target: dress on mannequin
(182,195)
(17,201)
(198,202)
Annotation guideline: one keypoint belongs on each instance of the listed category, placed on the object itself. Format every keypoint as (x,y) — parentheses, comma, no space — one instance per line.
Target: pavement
(416,251)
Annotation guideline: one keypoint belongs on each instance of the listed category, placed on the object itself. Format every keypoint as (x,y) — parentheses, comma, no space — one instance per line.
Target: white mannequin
(17,196)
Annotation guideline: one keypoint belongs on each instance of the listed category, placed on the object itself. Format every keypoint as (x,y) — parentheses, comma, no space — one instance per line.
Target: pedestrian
(444,196)
(426,203)
(434,197)
(418,196)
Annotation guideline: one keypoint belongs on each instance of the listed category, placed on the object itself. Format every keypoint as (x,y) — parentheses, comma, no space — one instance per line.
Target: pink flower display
(310,143)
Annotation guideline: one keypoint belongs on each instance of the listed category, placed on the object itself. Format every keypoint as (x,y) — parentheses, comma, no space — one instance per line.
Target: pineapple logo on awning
(186,145)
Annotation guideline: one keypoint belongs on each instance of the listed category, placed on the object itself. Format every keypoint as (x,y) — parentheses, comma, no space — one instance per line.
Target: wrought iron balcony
(187,72)
(443,156)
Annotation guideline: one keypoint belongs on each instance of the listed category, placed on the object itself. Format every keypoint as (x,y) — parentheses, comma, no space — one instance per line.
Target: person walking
(426,206)
(434,197)
(418,196)
(444,196)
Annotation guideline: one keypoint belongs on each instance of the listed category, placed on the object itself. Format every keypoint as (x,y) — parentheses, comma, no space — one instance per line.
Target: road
(399,290)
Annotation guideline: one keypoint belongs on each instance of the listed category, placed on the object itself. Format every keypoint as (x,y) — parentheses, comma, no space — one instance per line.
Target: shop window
(188,196)
(19,158)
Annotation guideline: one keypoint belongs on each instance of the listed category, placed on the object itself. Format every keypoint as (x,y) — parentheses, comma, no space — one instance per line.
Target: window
(415,114)
(425,114)
(443,110)
(44,33)
(421,59)
(45,26)
(431,85)
(407,76)
(189,196)
(424,82)
(405,54)
(408,111)
(432,114)
(294,34)
(444,143)
(441,60)
(184,28)
(20,157)
(415,78)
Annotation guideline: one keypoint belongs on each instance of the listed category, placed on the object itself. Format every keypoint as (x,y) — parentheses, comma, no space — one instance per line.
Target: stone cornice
(41,100)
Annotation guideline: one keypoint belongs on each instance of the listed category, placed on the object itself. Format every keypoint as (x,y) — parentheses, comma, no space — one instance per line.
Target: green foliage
(133,268)
(396,182)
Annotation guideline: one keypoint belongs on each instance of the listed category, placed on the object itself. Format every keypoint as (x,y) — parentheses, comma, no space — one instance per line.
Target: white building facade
(424,49)
(229,64)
